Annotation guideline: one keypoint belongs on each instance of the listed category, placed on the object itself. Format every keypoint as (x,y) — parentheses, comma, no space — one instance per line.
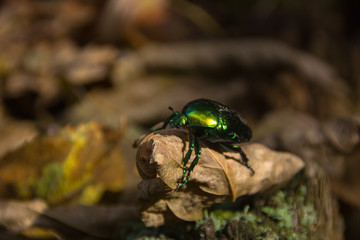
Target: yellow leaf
(76,165)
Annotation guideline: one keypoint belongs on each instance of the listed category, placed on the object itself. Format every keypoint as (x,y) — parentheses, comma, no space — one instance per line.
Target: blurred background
(290,67)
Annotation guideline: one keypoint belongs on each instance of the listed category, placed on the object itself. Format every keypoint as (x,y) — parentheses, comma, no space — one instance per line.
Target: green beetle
(213,121)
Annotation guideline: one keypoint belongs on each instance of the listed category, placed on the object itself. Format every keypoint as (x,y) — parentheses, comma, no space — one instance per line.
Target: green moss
(309,216)
(285,215)
(219,217)
(281,212)
(49,181)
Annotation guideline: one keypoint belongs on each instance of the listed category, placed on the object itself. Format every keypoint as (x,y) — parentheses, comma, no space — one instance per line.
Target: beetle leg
(198,153)
(234,137)
(188,154)
(194,162)
(167,121)
(244,158)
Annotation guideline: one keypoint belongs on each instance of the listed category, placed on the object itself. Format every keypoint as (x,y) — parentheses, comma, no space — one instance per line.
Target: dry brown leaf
(16,216)
(218,176)
(35,220)
(96,222)
(14,134)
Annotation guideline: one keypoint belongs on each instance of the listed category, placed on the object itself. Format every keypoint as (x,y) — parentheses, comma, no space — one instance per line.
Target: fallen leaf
(343,133)
(218,176)
(78,221)
(35,220)
(75,165)
(16,216)
(14,134)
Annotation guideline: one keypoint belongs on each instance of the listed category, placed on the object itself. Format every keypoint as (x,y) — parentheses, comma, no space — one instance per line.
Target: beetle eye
(183,120)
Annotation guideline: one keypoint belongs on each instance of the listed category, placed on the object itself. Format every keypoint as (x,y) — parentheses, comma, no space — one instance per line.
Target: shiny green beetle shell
(217,121)
(201,114)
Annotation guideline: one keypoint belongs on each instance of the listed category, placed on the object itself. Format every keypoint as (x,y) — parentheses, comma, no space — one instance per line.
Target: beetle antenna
(171,108)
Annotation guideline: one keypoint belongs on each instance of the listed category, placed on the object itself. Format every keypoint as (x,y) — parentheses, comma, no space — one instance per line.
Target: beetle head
(178,120)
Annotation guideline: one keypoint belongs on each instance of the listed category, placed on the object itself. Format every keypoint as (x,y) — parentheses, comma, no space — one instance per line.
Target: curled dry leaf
(218,176)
